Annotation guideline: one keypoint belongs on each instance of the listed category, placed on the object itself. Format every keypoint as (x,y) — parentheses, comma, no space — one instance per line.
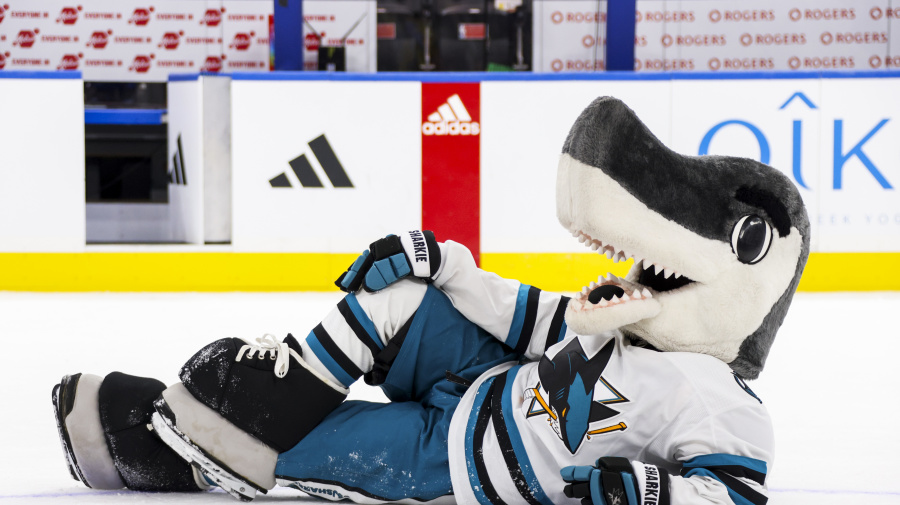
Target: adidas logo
(301,167)
(452,118)
(178,175)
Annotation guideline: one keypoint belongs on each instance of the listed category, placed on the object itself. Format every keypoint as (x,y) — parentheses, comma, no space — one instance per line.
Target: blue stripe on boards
(343,377)
(516,439)
(515,328)
(363,319)
(478,404)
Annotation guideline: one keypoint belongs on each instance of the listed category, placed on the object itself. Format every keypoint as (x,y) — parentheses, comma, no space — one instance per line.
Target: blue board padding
(38,74)
(124,116)
(620,23)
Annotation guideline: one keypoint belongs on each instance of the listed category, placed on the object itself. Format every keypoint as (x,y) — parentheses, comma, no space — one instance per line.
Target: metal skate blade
(213,470)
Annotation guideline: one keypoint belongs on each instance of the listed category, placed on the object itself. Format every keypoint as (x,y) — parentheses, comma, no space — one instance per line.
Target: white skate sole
(213,470)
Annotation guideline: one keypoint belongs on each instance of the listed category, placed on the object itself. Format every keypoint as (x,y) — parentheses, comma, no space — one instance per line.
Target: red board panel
(451,162)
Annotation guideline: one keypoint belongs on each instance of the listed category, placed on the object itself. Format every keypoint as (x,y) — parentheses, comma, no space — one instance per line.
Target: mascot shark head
(719,243)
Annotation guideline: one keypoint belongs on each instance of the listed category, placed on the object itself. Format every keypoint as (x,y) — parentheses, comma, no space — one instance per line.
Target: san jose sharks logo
(572,381)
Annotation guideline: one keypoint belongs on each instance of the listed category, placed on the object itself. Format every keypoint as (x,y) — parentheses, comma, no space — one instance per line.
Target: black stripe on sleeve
(506,447)
(739,471)
(481,424)
(336,353)
(663,487)
(556,323)
(531,306)
(358,330)
(740,488)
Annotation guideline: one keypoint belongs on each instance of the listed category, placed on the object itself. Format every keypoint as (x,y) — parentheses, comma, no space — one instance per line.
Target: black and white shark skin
(624,194)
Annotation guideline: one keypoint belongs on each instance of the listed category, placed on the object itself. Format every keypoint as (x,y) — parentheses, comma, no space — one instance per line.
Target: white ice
(831,383)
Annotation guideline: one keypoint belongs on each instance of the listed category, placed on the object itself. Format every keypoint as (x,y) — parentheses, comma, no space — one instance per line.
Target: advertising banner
(41,163)
(451,161)
(521,142)
(324,166)
(724,35)
(135,40)
(343,32)
(186,160)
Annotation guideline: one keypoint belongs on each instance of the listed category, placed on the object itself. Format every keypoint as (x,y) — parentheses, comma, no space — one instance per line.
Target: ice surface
(831,383)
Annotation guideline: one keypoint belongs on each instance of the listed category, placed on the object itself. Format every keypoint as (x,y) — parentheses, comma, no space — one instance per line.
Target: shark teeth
(633,291)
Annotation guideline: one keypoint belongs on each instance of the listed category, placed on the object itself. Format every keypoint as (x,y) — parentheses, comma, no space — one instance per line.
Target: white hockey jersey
(694,431)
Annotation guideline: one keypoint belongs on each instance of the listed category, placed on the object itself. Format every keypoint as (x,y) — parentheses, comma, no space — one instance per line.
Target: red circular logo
(140,17)
(212,17)
(714,64)
(212,64)
(241,41)
(826,38)
(141,64)
(68,16)
(794,62)
(25,39)
(667,40)
(875,61)
(98,40)
(170,41)
(556,17)
(746,39)
(588,41)
(556,65)
(795,14)
(876,13)
(68,62)
(715,16)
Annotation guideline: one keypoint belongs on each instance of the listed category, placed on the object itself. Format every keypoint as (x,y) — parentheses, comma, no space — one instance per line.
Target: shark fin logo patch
(575,395)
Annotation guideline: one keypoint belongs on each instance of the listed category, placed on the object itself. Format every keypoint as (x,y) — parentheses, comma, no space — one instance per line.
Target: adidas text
(451,128)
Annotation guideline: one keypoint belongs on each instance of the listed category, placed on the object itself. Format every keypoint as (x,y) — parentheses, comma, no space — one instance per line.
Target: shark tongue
(605,292)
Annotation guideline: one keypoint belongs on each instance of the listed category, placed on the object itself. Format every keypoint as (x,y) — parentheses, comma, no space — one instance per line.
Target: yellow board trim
(228,271)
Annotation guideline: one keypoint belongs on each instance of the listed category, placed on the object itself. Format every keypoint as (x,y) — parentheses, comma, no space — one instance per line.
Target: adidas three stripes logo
(177,175)
(302,168)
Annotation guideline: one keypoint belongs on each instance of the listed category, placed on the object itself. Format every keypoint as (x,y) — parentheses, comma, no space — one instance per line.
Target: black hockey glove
(392,258)
(610,481)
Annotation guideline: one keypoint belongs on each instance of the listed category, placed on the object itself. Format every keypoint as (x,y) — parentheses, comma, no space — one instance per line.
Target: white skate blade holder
(233,485)
(231,458)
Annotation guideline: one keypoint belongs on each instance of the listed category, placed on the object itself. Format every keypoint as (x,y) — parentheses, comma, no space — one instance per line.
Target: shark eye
(751,238)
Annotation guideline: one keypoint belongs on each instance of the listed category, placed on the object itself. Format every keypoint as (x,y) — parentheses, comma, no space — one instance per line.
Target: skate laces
(269,346)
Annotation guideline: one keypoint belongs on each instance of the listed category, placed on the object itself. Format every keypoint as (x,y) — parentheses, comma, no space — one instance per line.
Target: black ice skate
(103,428)
(239,405)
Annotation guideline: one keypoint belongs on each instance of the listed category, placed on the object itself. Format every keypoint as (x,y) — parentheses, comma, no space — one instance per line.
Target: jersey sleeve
(523,317)
(723,441)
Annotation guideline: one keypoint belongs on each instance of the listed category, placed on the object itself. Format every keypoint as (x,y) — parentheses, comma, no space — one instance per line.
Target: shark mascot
(631,392)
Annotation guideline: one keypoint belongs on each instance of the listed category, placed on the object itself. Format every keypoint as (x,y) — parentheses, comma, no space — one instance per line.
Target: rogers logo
(451,118)
(99,40)
(68,16)
(773,39)
(747,15)
(170,40)
(26,38)
(212,64)
(141,64)
(854,38)
(822,14)
(212,17)
(141,16)
(241,41)
(69,62)
(715,64)
(877,13)
(796,63)
(693,40)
